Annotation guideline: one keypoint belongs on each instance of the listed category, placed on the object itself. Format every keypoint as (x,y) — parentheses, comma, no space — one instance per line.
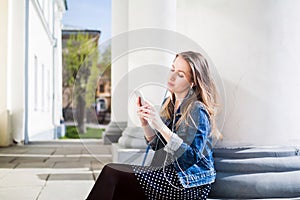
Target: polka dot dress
(161,184)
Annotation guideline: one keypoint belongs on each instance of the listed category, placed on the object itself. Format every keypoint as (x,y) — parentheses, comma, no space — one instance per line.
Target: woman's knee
(117,168)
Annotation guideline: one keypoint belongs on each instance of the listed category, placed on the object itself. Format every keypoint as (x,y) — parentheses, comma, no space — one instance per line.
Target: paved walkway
(59,170)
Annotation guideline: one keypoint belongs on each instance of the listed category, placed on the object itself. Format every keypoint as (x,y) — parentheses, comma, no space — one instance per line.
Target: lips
(171,84)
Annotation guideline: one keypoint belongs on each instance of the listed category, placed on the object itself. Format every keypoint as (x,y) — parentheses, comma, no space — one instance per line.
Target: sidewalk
(60,170)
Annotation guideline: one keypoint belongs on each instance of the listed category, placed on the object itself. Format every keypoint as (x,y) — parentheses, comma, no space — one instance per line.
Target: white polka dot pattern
(156,184)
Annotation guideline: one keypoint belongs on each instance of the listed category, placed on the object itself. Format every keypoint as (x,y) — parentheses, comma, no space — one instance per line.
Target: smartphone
(140,96)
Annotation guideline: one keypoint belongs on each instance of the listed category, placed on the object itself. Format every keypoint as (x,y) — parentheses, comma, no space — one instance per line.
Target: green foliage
(72,133)
(105,62)
(80,58)
(103,68)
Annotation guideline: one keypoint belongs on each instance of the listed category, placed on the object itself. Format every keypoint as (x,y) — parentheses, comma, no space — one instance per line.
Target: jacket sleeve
(156,143)
(189,149)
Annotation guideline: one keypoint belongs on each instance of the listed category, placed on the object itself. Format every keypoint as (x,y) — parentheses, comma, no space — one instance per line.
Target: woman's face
(179,80)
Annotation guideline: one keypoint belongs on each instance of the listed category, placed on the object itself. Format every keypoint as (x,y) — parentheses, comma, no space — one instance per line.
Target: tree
(80,57)
(103,68)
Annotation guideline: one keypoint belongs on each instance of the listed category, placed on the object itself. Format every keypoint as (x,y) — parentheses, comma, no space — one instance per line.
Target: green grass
(72,133)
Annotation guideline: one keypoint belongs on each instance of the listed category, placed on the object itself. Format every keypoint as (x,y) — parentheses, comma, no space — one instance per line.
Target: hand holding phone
(141,98)
(141,102)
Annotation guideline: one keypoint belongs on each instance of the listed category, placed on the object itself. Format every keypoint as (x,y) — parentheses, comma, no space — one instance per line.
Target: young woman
(181,136)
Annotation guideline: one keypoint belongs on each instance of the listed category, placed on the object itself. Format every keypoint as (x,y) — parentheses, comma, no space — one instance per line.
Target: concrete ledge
(258,165)
(111,138)
(257,172)
(256,152)
(258,185)
(130,156)
(114,132)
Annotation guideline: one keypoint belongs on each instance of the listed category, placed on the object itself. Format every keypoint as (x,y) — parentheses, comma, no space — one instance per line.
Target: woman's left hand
(149,113)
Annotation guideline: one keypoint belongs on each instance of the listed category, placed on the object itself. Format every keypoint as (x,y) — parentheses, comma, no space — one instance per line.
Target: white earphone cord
(165,162)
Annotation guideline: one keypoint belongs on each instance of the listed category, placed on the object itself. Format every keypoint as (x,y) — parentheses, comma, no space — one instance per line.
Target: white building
(31,66)
(254,45)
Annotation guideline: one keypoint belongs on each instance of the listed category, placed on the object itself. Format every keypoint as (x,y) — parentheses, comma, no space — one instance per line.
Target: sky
(90,14)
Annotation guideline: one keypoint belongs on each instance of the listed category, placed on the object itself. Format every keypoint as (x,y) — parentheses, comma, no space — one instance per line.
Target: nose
(172,76)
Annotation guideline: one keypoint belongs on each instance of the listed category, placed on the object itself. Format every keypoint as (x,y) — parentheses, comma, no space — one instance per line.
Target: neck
(179,98)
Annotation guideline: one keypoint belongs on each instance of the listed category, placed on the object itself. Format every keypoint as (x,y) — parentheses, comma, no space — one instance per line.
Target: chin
(170,90)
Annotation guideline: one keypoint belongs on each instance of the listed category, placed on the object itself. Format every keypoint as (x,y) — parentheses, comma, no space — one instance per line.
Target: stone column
(4,34)
(119,69)
(146,69)
(17,63)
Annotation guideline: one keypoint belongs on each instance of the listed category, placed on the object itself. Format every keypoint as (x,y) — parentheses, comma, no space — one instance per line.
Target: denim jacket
(191,147)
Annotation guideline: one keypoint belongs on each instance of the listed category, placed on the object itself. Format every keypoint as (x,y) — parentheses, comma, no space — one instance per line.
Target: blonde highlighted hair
(204,90)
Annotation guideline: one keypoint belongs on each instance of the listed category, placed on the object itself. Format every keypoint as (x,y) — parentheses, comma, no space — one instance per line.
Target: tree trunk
(81,114)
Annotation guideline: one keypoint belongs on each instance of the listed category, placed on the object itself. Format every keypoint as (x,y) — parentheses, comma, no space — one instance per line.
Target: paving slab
(62,158)
(28,159)
(51,170)
(69,150)
(67,165)
(17,179)
(41,150)
(8,165)
(35,165)
(71,176)
(13,150)
(6,159)
(4,172)
(20,192)
(62,190)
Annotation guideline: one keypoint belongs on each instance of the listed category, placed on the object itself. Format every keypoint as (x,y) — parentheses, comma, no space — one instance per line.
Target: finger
(146,115)
(146,110)
(138,101)
(150,106)
(145,106)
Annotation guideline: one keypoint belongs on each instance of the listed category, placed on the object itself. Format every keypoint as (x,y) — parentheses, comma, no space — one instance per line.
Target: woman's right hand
(144,122)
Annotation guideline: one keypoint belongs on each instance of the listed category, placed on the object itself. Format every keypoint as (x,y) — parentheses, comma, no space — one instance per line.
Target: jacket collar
(178,111)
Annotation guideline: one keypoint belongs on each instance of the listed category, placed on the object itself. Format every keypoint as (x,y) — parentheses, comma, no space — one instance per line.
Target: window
(36,72)
(43,88)
(101,88)
(48,91)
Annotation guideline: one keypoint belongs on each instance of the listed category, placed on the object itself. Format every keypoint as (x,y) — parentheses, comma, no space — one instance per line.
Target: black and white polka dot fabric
(163,184)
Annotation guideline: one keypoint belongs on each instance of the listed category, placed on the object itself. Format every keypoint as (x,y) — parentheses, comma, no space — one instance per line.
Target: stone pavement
(60,170)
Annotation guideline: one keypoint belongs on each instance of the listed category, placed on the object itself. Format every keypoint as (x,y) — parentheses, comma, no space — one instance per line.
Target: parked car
(101,109)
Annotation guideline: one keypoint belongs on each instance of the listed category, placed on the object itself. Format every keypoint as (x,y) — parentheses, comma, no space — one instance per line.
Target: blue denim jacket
(191,146)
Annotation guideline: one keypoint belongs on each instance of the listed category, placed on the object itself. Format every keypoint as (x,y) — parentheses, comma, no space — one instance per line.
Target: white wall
(40,46)
(58,14)
(254,45)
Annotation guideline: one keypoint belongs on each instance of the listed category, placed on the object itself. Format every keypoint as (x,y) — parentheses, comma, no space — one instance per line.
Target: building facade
(31,69)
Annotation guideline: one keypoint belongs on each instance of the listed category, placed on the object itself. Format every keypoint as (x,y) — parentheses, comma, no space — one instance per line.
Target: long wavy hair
(204,90)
